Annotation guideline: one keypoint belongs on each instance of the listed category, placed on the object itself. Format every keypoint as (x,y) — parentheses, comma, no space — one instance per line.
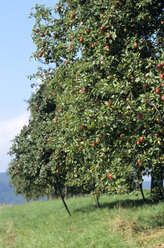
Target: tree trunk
(142,193)
(62,197)
(157,184)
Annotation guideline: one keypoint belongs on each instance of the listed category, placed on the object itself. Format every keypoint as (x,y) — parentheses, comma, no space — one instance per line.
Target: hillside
(7,195)
(121,222)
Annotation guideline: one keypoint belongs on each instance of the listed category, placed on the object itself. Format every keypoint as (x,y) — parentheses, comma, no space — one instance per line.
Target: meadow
(121,222)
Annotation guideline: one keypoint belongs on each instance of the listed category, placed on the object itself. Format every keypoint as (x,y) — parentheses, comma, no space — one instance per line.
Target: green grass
(122,222)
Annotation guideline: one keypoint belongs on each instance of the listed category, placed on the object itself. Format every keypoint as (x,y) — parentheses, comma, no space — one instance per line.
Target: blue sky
(16,48)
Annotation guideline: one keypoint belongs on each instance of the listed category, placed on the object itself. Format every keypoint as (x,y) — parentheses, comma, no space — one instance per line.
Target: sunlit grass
(122,221)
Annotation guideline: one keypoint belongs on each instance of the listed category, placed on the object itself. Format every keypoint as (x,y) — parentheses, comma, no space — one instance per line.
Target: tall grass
(122,221)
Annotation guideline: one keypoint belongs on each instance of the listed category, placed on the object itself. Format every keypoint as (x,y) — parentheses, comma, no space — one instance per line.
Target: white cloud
(8,130)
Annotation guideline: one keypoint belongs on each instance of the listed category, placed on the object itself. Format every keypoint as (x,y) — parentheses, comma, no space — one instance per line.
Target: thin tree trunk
(62,197)
(66,192)
(142,193)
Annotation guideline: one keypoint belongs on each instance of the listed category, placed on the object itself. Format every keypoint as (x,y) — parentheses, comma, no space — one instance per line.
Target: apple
(87,31)
(92,45)
(162,98)
(160,159)
(160,66)
(39,55)
(135,44)
(66,62)
(70,24)
(157,91)
(162,76)
(110,176)
(127,99)
(156,134)
(102,28)
(42,35)
(133,80)
(125,30)
(108,35)
(57,171)
(139,116)
(139,160)
(60,110)
(138,142)
(102,62)
(72,16)
(141,139)
(58,8)
(157,119)
(81,39)
(37,31)
(69,48)
(109,104)
(122,135)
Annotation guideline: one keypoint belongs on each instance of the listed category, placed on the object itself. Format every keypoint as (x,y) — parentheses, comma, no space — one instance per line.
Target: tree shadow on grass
(144,222)
(127,203)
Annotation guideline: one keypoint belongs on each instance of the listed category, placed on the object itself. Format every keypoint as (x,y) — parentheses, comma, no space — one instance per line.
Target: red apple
(102,28)
(162,76)
(156,134)
(58,8)
(139,160)
(81,39)
(157,91)
(162,98)
(159,66)
(37,31)
(70,24)
(139,116)
(39,55)
(135,44)
(60,110)
(110,176)
(160,159)
(138,142)
(122,135)
(72,16)
(42,35)
(133,80)
(87,31)
(157,119)
(141,139)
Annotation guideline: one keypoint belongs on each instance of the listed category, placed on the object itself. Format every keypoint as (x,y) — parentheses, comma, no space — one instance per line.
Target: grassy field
(121,222)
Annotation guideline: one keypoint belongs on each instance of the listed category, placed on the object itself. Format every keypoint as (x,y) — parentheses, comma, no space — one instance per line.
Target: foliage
(97,116)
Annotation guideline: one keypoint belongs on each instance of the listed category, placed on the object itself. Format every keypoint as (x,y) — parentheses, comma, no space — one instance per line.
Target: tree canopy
(96,118)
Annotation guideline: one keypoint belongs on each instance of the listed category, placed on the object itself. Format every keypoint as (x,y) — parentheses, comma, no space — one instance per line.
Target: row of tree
(96,118)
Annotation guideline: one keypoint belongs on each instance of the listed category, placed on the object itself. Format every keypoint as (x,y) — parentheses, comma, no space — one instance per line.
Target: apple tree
(97,118)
